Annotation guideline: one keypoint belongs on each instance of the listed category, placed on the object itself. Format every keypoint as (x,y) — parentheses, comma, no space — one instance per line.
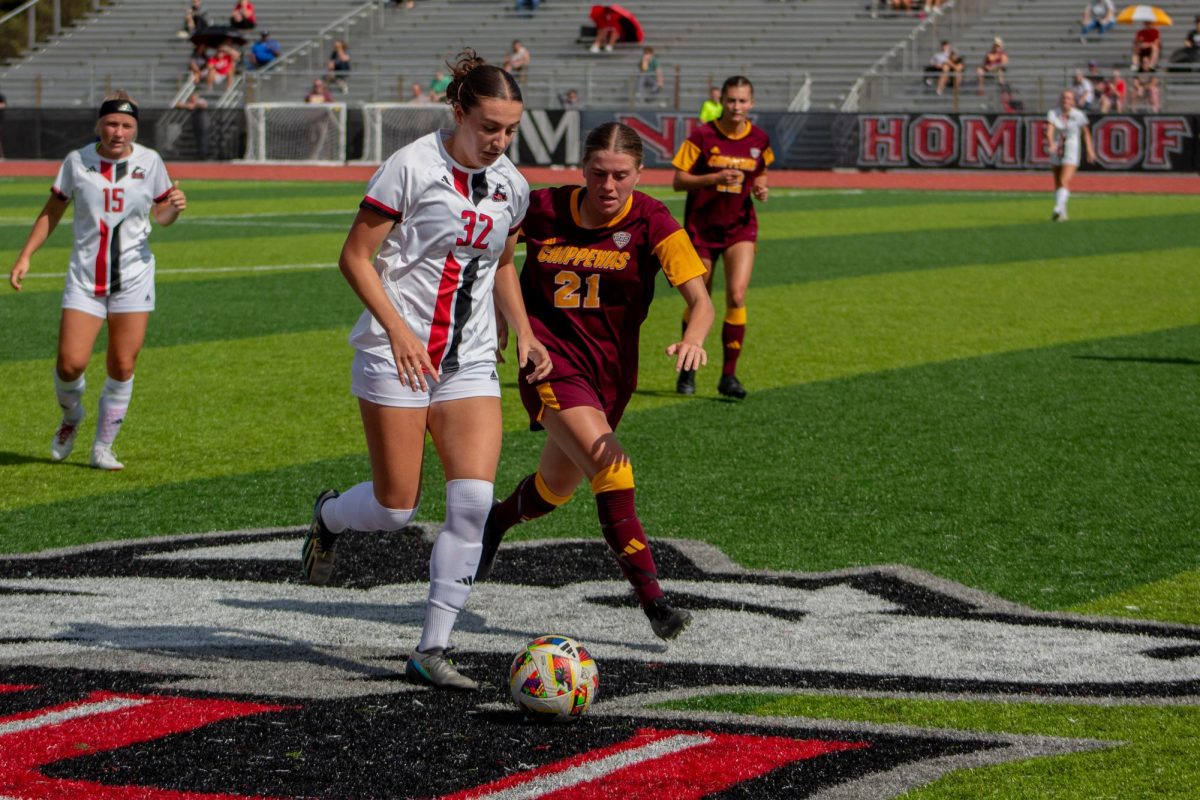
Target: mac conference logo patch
(201,667)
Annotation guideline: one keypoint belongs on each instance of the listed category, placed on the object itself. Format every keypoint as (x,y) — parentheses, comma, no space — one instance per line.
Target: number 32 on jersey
(568,294)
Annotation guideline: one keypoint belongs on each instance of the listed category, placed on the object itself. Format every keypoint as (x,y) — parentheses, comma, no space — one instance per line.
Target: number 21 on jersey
(567,294)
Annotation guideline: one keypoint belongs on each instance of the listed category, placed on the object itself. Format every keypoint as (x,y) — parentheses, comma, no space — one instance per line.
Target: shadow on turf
(1186,362)
(9,459)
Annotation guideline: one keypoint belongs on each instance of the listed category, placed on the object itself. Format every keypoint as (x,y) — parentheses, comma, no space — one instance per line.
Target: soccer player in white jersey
(117,186)
(1067,125)
(430,255)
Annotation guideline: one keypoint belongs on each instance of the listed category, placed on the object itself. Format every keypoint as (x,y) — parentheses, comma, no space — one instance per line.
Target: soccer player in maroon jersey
(118,187)
(722,166)
(592,255)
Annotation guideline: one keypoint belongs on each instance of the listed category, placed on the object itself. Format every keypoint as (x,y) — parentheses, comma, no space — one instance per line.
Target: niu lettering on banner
(1123,142)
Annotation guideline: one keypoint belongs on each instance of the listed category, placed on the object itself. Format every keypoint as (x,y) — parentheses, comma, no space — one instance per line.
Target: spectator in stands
(711,108)
(1189,54)
(1098,16)
(526,7)
(319,93)
(938,61)
(221,65)
(608,31)
(650,75)
(933,7)
(953,72)
(1085,93)
(1193,38)
(339,66)
(243,15)
(995,62)
(417,95)
(947,65)
(437,86)
(900,5)
(1147,46)
(570,100)
(264,51)
(1147,94)
(194,19)
(198,64)
(1099,86)
(1115,96)
(517,60)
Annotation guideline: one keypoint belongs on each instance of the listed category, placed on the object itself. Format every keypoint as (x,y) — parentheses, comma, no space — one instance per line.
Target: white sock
(114,402)
(1060,200)
(455,558)
(70,397)
(358,510)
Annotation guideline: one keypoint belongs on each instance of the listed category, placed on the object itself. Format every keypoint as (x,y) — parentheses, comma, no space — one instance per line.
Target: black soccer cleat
(730,386)
(318,552)
(666,621)
(686,382)
(491,546)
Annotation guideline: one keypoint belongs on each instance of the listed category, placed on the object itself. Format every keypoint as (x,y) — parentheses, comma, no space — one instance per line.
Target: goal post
(313,133)
(389,126)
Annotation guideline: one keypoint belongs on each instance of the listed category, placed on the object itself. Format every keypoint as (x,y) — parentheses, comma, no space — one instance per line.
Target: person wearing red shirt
(1147,44)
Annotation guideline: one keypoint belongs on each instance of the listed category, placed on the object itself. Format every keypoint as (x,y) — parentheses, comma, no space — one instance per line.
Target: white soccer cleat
(104,458)
(64,440)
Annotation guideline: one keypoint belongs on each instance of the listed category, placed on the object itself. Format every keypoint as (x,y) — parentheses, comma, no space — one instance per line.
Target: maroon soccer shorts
(570,391)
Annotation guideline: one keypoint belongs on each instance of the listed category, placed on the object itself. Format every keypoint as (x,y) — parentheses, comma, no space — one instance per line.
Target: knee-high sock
(455,558)
(70,397)
(1061,196)
(531,499)
(114,402)
(623,531)
(357,509)
(733,334)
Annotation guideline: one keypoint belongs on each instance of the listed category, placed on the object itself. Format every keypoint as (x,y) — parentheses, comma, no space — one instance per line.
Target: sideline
(922,180)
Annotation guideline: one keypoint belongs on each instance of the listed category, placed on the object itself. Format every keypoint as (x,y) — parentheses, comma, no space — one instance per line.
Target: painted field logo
(198,667)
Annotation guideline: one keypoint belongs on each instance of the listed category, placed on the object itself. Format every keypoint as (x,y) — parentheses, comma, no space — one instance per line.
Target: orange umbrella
(1131,15)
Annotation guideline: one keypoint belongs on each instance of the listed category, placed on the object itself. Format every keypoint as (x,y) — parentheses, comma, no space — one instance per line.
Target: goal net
(389,126)
(308,132)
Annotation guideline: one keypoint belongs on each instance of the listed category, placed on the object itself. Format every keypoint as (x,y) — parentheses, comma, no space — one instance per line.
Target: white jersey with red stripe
(113,200)
(438,262)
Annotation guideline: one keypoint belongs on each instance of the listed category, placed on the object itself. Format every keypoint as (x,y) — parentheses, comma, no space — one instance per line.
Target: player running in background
(1067,125)
(117,186)
(592,255)
(431,248)
(722,166)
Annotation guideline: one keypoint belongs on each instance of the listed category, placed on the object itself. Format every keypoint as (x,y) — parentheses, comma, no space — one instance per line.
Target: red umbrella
(631,29)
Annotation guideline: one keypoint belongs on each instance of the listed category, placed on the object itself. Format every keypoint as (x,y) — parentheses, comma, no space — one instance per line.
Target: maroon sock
(623,532)
(732,337)
(525,503)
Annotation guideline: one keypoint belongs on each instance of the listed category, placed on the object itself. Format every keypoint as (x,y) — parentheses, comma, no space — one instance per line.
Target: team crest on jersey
(499,196)
(755,152)
(138,173)
(622,238)
(124,661)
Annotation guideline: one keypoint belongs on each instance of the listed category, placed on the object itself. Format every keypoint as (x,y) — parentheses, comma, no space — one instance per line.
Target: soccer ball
(553,678)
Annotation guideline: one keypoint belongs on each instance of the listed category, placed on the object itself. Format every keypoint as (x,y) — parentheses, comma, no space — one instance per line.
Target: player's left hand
(176,197)
(501,337)
(688,355)
(760,192)
(530,350)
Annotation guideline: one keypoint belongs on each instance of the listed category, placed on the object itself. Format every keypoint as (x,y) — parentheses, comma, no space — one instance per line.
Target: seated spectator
(1147,94)
(650,75)
(437,86)
(221,65)
(570,100)
(243,15)
(947,65)
(1085,93)
(711,108)
(526,7)
(1098,16)
(938,60)
(1147,45)
(1115,94)
(995,61)
(318,93)
(933,7)
(955,67)
(900,5)
(1010,100)
(517,60)
(264,51)
(1189,54)
(417,95)
(1099,86)
(194,19)
(339,66)
(608,31)
(198,64)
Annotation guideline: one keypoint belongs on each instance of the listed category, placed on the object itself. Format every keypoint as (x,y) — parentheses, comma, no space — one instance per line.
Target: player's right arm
(357,264)
(43,226)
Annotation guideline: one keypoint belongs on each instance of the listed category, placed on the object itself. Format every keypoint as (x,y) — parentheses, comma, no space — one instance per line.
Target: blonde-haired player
(1066,126)
(117,186)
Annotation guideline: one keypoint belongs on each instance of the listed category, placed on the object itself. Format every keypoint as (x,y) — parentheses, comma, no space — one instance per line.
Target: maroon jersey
(588,290)
(717,216)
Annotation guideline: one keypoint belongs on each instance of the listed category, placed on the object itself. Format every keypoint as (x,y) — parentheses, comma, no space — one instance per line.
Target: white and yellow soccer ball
(553,678)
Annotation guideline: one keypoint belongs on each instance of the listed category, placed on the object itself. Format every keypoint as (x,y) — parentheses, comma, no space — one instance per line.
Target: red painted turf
(930,180)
